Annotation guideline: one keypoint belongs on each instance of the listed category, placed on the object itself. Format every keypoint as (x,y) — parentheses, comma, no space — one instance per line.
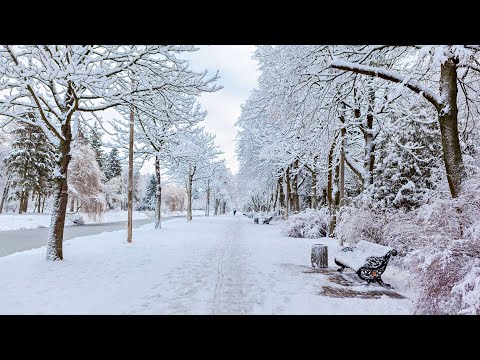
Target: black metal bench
(267,220)
(264,220)
(367,259)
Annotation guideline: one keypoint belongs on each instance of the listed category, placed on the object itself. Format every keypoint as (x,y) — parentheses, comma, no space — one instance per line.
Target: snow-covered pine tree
(30,164)
(96,142)
(112,167)
(148,201)
(408,164)
(5,147)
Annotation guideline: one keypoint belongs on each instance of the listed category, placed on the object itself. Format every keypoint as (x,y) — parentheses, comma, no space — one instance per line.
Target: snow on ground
(214,265)
(33,221)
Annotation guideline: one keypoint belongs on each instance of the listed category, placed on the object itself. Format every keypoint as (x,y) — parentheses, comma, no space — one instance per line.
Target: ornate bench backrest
(356,257)
(372,249)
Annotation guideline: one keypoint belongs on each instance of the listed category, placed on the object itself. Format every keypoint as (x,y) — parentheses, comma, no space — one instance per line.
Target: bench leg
(341,268)
(381,283)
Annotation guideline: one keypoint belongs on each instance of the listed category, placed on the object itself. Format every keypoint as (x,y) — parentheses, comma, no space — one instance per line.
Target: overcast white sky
(238,75)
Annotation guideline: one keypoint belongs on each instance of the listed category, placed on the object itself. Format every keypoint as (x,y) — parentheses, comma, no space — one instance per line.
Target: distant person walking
(234,211)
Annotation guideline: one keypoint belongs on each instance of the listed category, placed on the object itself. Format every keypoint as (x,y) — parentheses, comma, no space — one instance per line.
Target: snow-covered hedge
(438,243)
(447,259)
(308,224)
(365,223)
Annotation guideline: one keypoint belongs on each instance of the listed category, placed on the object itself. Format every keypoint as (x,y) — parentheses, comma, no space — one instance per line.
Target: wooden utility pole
(130,179)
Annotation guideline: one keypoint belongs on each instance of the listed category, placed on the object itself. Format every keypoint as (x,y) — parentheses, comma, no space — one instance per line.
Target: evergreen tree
(408,163)
(30,164)
(112,167)
(148,202)
(96,142)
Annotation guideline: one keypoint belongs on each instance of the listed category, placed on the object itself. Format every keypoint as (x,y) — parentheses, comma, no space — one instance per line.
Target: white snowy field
(33,221)
(215,265)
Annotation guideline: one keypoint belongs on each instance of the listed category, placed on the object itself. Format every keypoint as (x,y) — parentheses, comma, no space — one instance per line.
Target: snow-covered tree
(85,180)
(113,167)
(433,72)
(114,196)
(173,197)
(63,84)
(29,165)
(148,201)
(192,159)
(96,143)
(5,147)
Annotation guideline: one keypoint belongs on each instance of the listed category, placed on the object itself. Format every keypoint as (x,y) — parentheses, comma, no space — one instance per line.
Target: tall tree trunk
(341,184)
(43,203)
(217,204)
(5,194)
(189,193)
(158,206)
(39,201)
(25,202)
(296,197)
(330,180)
(33,199)
(276,197)
(207,206)
(20,203)
(288,195)
(448,119)
(130,179)
(369,159)
(336,202)
(72,205)
(57,222)
(330,174)
(314,189)
(280,193)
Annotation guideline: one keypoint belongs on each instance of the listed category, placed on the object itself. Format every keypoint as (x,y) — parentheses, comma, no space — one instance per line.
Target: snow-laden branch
(356,167)
(389,75)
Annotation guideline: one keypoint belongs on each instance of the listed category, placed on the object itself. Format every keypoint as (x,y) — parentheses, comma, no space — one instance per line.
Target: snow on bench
(265,220)
(367,259)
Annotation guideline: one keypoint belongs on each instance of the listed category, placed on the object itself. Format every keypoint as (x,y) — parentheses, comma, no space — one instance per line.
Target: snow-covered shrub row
(364,223)
(309,223)
(446,263)
(438,243)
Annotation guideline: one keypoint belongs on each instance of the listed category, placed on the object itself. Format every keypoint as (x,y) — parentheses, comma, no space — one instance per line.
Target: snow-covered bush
(308,224)
(446,264)
(365,223)
(448,279)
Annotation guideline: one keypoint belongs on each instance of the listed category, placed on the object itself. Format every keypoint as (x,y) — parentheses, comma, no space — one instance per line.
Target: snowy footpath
(216,265)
